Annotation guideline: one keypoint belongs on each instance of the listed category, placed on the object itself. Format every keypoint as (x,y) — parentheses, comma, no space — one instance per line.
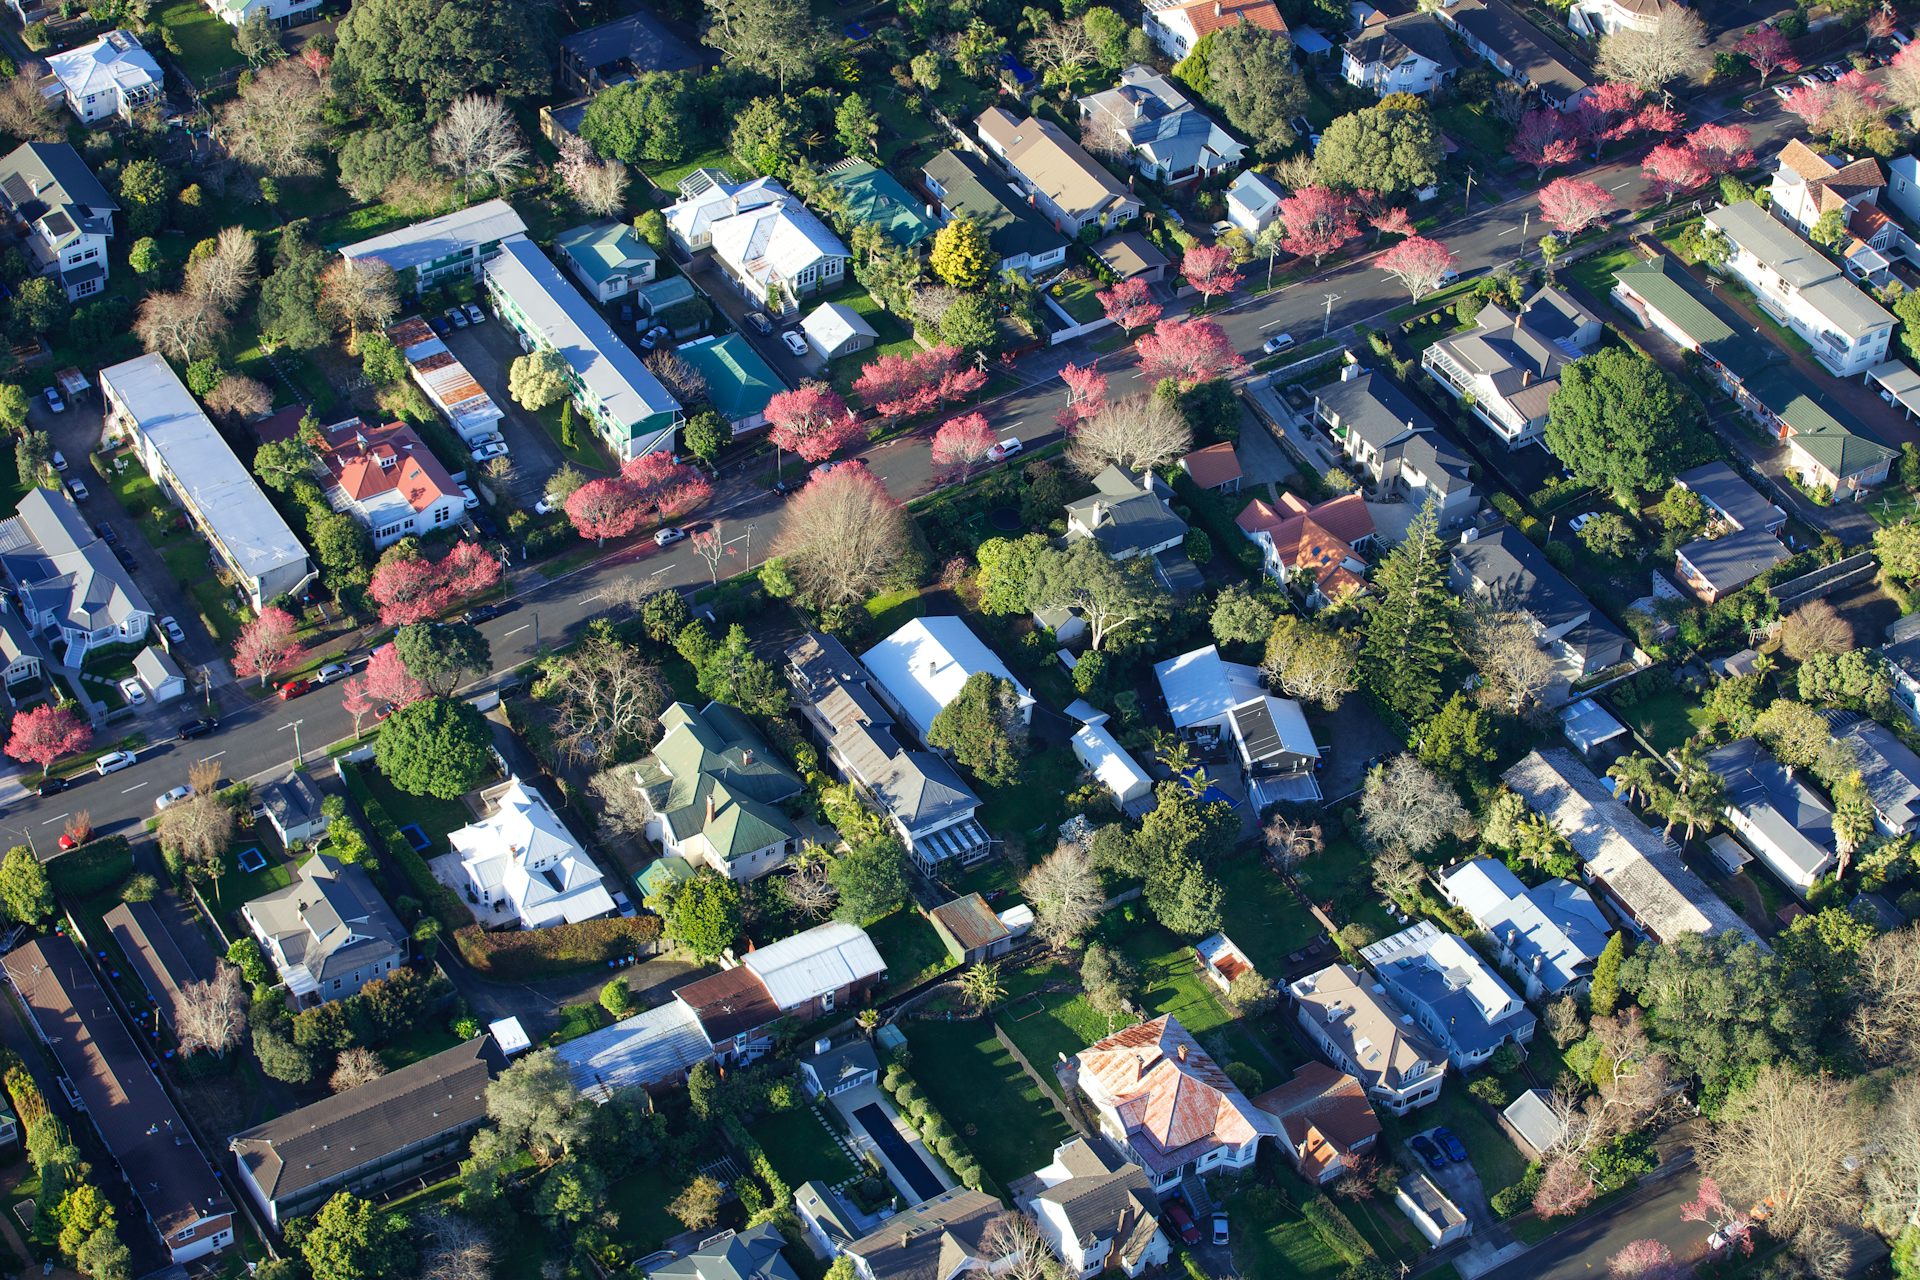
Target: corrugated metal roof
(825,958)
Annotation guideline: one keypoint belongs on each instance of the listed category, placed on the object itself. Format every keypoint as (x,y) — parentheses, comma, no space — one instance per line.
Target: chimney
(709,809)
(1180,1051)
(1217,12)
(1349,371)
(1526,377)
(746,755)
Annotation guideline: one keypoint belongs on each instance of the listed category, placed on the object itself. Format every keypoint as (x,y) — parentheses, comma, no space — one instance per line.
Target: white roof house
(462,234)
(920,668)
(835,329)
(1201,687)
(522,863)
(193,464)
(1553,933)
(1253,202)
(768,241)
(798,969)
(1109,762)
(649,1048)
(111,76)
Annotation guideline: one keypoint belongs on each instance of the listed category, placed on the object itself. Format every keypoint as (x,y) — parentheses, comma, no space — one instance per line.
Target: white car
(488,452)
(456,317)
(1005,449)
(1579,522)
(795,343)
(333,671)
(114,762)
(469,497)
(170,798)
(475,315)
(135,695)
(54,402)
(546,506)
(171,626)
(78,488)
(668,536)
(1277,343)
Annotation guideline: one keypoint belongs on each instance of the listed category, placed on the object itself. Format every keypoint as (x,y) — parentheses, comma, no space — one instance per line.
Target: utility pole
(536,631)
(749,546)
(299,757)
(1467,200)
(1327,322)
(1525,218)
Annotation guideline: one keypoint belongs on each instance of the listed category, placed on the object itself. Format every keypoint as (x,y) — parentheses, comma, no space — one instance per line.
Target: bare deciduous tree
(212,1015)
(1062,47)
(199,829)
(1065,895)
(1791,1141)
(1674,48)
(240,398)
(843,536)
(354,1067)
(479,140)
(1138,432)
(276,125)
(688,384)
(598,186)
(1815,627)
(359,295)
(24,114)
(1893,1169)
(224,276)
(1018,1249)
(1633,1077)
(1886,1015)
(610,697)
(454,1247)
(1102,135)
(806,886)
(1408,806)
(624,808)
(178,325)
(1396,873)
(1291,840)
(1565,1187)
(1508,654)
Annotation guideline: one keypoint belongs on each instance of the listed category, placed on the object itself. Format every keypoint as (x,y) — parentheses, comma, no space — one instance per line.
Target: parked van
(113,762)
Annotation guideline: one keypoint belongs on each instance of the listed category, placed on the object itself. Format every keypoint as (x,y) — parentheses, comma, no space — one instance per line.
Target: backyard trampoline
(416,837)
(905,1161)
(251,860)
(1006,519)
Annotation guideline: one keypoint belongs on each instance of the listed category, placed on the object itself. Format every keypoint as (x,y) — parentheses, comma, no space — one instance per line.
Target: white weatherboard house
(1551,934)
(1453,993)
(453,244)
(1097,1211)
(1410,54)
(920,668)
(521,865)
(282,13)
(195,467)
(619,395)
(110,77)
(770,244)
(67,214)
(1253,202)
(67,584)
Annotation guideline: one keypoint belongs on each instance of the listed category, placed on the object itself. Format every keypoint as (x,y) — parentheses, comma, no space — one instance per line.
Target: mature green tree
(344,547)
(1241,617)
(434,747)
(706,914)
(984,728)
(705,435)
(734,674)
(281,463)
(856,125)
(1113,596)
(1183,897)
(1251,78)
(651,117)
(38,306)
(1461,740)
(443,655)
(778,39)
(1006,571)
(145,188)
(871,878)
(353,1239)
(409,59)
(25,891)
(1182,826)
(1858,680)
(13,408)
(289,307)
(1410,643)
(1391,148)
(1603,994)
(373,159)
(970,323)
(766,136)
(1616,422)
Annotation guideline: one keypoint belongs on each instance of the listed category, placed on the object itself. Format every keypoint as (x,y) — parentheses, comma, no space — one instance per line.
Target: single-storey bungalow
(834,329)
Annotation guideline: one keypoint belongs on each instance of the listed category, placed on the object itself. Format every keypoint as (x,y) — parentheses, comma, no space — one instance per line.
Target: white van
(113,762)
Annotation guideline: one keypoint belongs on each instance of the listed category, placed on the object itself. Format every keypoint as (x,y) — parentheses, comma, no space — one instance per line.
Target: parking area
(727,300)
(487,350)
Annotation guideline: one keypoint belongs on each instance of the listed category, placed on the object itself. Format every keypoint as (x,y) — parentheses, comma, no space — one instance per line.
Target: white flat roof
(645,1049)
(218,485)
(510,1036)
(440,237)
(1109,762)
(923,665)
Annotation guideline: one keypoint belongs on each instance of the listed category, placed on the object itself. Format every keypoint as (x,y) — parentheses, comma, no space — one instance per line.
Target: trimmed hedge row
(441,901)
(29,1104)
(1337,1231)
(91,869)
(940,1138)
(561,948)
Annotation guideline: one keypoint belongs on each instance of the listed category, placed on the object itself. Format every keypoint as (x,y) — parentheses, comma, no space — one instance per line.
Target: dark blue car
(1425,1149)
(1455,1149)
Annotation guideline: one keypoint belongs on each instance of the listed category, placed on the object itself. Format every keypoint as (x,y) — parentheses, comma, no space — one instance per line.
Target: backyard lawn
(892,337)
(1076,298)
(422,1041)
(911,948)
(1665,719)
(1594,273)
(640,1199)
(801,1148)
(1271,1245)
(669,176)
(205,42)
(999,1113)
(1342,876)
(1261,914)
(435,817)
(1033,804)
(236,887)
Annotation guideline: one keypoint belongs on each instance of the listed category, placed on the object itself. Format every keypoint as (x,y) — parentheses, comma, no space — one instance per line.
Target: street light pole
(536,631)
(299,756)
(1327,322)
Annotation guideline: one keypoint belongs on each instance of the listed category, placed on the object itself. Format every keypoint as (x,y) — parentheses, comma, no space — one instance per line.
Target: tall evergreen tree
(1409,638)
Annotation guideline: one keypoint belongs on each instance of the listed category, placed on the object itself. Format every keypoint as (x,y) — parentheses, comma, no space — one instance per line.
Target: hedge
(930,1123)
(563,948)
(1337,1231)
(443,902)
(91,869)
(29,1104)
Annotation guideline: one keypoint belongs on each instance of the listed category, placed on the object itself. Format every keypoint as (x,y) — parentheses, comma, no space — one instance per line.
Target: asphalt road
(1580,1252)
(257,739)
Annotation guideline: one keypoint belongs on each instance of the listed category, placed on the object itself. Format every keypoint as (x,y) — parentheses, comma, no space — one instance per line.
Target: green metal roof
(739,383)
(876,196)
(604,252)
(1717,328)
(713,774)
(662,872)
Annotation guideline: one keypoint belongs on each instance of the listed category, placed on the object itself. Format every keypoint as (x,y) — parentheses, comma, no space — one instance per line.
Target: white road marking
(1624,183)
(135,787)
(216,755)
(590,599)
(62,818)
(516,631)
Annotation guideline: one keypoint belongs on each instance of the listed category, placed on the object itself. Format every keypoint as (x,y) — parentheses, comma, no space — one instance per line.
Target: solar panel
(59,225)
(18,192)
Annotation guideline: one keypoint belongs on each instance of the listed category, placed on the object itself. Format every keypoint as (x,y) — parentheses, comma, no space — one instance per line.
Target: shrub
(442,901)
(91,869)
(1511,1200)
(1490,1091)
(563,948)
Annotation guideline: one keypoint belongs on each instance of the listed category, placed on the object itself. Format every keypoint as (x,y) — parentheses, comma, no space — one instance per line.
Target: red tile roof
(1213,466)
(368,461)
(1319,538)
(1174,1100)
(1209,16)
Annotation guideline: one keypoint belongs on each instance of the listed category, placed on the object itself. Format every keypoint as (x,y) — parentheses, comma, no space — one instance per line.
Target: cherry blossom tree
(961,443)
(1673,166)
(384,681)
(356,700)
(1129,304)
(1644,1260)
(1543,140)
(1189,351)
(1571,205)
(1418,263)
(1565,1188)
(1721,148)
(419,589)
(44,733)
(1209,269)
(1392,222)
(1655,117)
(1768,50)
(1845,111)
(1903,78)
(685,495)
(902,386)
(605,508)
(663,484)
(1318,221)
(812,421)
(270,643)
(1086,394)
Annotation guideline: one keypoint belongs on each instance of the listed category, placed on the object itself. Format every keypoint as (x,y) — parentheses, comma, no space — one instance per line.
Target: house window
(826,1003)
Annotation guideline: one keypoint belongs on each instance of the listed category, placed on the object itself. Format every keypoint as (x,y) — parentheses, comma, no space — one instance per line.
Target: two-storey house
(1066,184)
(1362,1030)
(964,186)
(1170,140)
(1458,997)
(63,215)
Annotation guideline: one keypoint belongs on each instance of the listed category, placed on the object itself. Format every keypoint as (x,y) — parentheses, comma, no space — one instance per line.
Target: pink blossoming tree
(268,644)
(1189,351)
(44,733)
(1129,304)
(1418,263)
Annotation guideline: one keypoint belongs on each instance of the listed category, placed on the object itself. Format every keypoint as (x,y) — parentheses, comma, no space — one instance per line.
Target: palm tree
(1174,752)
(1634,776)
(1699,805)
(1853,822)
(981,985)
(1196,781)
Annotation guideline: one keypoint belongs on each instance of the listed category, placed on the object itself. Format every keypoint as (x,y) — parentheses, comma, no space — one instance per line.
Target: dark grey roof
(1389,43)
(39,177)
(752,1254)
(852,1058)
(1106,1199)
(1494,24)
(294,801)
(1736,501)
(1438,458)
(933,1240)
(1517,575)
(1889,769)
(1734,559)
(1374,409)
(329,919)
(1126,513)
(972,191)
(630,46)
(1795,821)
(153,956)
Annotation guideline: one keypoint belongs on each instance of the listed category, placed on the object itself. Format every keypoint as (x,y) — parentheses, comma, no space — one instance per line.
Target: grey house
(1508,367)
(70,587)
(1775,814)
(1506,569)
(1889,769)
(1172,141)
(1398,446)
(293,808)
(329,933)
(1452,992)
(752,1254)
(1127,515)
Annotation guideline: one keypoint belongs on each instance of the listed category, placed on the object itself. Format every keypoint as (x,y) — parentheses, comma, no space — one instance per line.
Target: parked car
(546,506)
(52,787)
(1182,1220)
(113,762)
(168,799)
(1579,522)
(784,487)
(1783,91)
(456,317)
(333,671)
(1005,449)
(668,536)
(294,688)
(59,460)
(77,489)
(125,557)
(131,690)
(107,535)
(196,729)
(171,626)
(475,315)
(759,323)
(1219,1226)
(440,325)
(1424,1148)
(481,613)
(488,452)
(1450,1143)
(485,437)
(1277,343)
(622,905)
(68,842)
(795,343)
(54,402)
(468,497)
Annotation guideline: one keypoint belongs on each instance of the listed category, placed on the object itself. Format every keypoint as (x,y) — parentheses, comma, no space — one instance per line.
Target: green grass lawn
(1261,914)
(1594,273)
(891,610)
(1342,877)
(421,1041)
(801,1148)
(911,948)
(585,452)
(435,817)
(1053,1025)
(237,887)
(1468,124)
(1076,298)
(1270,1245)
(1033,804)
(641,1200)
(1665,719)
(669,176)
(206,43)
(996,1110)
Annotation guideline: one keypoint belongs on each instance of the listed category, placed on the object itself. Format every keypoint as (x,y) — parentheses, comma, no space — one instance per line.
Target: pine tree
(1604,993)
(1409,640)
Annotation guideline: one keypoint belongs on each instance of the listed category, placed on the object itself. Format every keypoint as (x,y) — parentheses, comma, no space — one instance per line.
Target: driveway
(487,350)
(733,306)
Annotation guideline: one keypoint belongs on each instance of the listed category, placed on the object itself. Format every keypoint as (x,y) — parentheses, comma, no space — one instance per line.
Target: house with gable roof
(1253,202)
(520,864)
(1458,997)
(752,1253)
(1807,186)
(431,251)
(387,479)
(1066,184)
(1171,140)
(1402,452)
(715,788)
(1318,544)
(1163,1100)
(951,1235)
(328,933)
(609,259)
(1508,571)
(964,186)
(1775,814)
(1597,18)
(1128,515)
(1499,33)
(1405,54)
(1219,705)
(1507,369)
(1096,1211)
(876,198)
(769,244)
(740,384)
(1888,767)
(68,587)
(63,215)
(1326,1122)
(1175,26)
(113,76)
(1550,934)
(1361,1029)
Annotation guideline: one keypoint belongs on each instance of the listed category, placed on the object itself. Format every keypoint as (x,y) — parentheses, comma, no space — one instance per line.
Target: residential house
(113,76)
(1783,820)
(937,1239)
(1825,445)
(1326,1123)
(281,13)
(971,930)
(520,864)
(1216,467)
(834,329)
(67,586)
(1505,569)
(875,198)
(1598,18)
(1316,545)
(1097,1211)
(155,958)
(1163,1101)
(1549,935)
(1066,184)
(1533,1118)
(159,674)
(61,214)
(1361,1030)
(1799,286)
(1507,368)
(676,304)
(623,50)
(919,792)
(1901,652)
(1458,997)
(19,655)
(609,259)
(1428,1208)
(619,396)
(964,186)
(715,789)
(1713,568)
(1169,139)
(922,666)
(1888,767)
(1221,960)
(1220,705)
(1101,754)
(751,1253)
(1253,202)
(196,469)
(1401,452)
(329,932)
(739,383)
(293,807)
(1127,515)
(1131,256)
(802,977)
(387,479)
(432,252)
(457,394)
(1638,871)
(829,1226)
(769,244)
(1498,33)
(841,1069)
(1731,501)
(1903,185)
(120,1095)
(650,1050)
(1808,186)
(369,1138)
(1407,54)
(1175,26)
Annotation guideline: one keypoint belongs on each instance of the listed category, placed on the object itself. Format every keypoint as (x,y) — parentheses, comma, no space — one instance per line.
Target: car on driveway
(77,488)
(758,322)
(171,626)
(1219,1226)
(135,695)
(468,497)
(125,557)
(1182,1219)
(293,689)
(168,799)
(107,535)
(1450,1143)
(1424,1148)
(196,729)
(54,402)
(1579,522)
(668,536)
(488,452)
(59,460)
(795,343)
(456,317)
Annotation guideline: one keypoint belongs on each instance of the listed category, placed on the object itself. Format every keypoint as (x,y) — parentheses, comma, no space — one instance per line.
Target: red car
(68,842)
(1182,1220)
(294,688)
